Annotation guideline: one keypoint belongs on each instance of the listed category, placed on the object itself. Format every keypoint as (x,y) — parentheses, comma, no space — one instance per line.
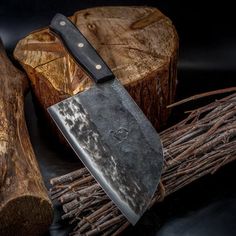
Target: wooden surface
(25,208)
(140,45)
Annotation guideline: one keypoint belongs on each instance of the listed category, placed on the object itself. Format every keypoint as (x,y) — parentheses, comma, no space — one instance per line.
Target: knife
(107,129)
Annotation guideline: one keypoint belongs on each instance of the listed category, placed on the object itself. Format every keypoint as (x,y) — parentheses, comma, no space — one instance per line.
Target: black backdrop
(207,61)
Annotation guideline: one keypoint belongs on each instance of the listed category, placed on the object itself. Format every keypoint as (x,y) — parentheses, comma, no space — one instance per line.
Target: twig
(202,95)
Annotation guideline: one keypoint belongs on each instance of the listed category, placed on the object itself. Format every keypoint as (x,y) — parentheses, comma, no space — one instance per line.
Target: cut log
(140,45)
(25,208)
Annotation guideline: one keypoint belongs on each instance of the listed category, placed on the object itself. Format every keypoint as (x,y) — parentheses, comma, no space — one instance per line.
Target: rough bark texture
(25,208)
(140,45)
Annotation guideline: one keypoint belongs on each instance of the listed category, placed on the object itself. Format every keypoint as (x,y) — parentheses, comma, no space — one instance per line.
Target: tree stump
(25,208)
(140,45)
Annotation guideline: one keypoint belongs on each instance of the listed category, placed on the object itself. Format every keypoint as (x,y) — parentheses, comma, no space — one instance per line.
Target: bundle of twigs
(196,146)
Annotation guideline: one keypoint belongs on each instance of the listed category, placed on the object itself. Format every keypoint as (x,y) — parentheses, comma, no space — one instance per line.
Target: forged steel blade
(109,132)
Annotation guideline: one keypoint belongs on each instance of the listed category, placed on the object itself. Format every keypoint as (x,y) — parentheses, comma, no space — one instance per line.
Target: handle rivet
(98,67)
(80,45)
(62,23)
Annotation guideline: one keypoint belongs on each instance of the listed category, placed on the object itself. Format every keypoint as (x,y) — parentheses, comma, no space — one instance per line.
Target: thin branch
(202,95)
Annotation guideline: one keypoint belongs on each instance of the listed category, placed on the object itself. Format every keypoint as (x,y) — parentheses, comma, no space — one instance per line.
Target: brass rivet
(98,67)
(62,23)
(80,45)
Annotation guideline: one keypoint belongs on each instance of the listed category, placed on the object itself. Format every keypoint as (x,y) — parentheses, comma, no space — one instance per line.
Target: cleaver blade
(107,129)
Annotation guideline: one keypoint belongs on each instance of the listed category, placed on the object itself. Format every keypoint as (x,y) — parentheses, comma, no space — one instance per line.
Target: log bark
(25,208)
(140,45)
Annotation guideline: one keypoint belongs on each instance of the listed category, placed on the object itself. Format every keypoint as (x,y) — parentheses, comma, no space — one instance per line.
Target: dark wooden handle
(80,49)
(25,208)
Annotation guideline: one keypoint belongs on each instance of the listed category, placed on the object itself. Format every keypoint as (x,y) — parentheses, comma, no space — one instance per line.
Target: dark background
(207,61)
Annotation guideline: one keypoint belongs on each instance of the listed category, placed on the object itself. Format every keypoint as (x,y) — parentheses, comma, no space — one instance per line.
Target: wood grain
(140,45)
(25,208)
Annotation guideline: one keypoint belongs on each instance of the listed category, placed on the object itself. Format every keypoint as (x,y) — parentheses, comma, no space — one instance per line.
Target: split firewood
(140,45)
(198,145)
(25,208)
